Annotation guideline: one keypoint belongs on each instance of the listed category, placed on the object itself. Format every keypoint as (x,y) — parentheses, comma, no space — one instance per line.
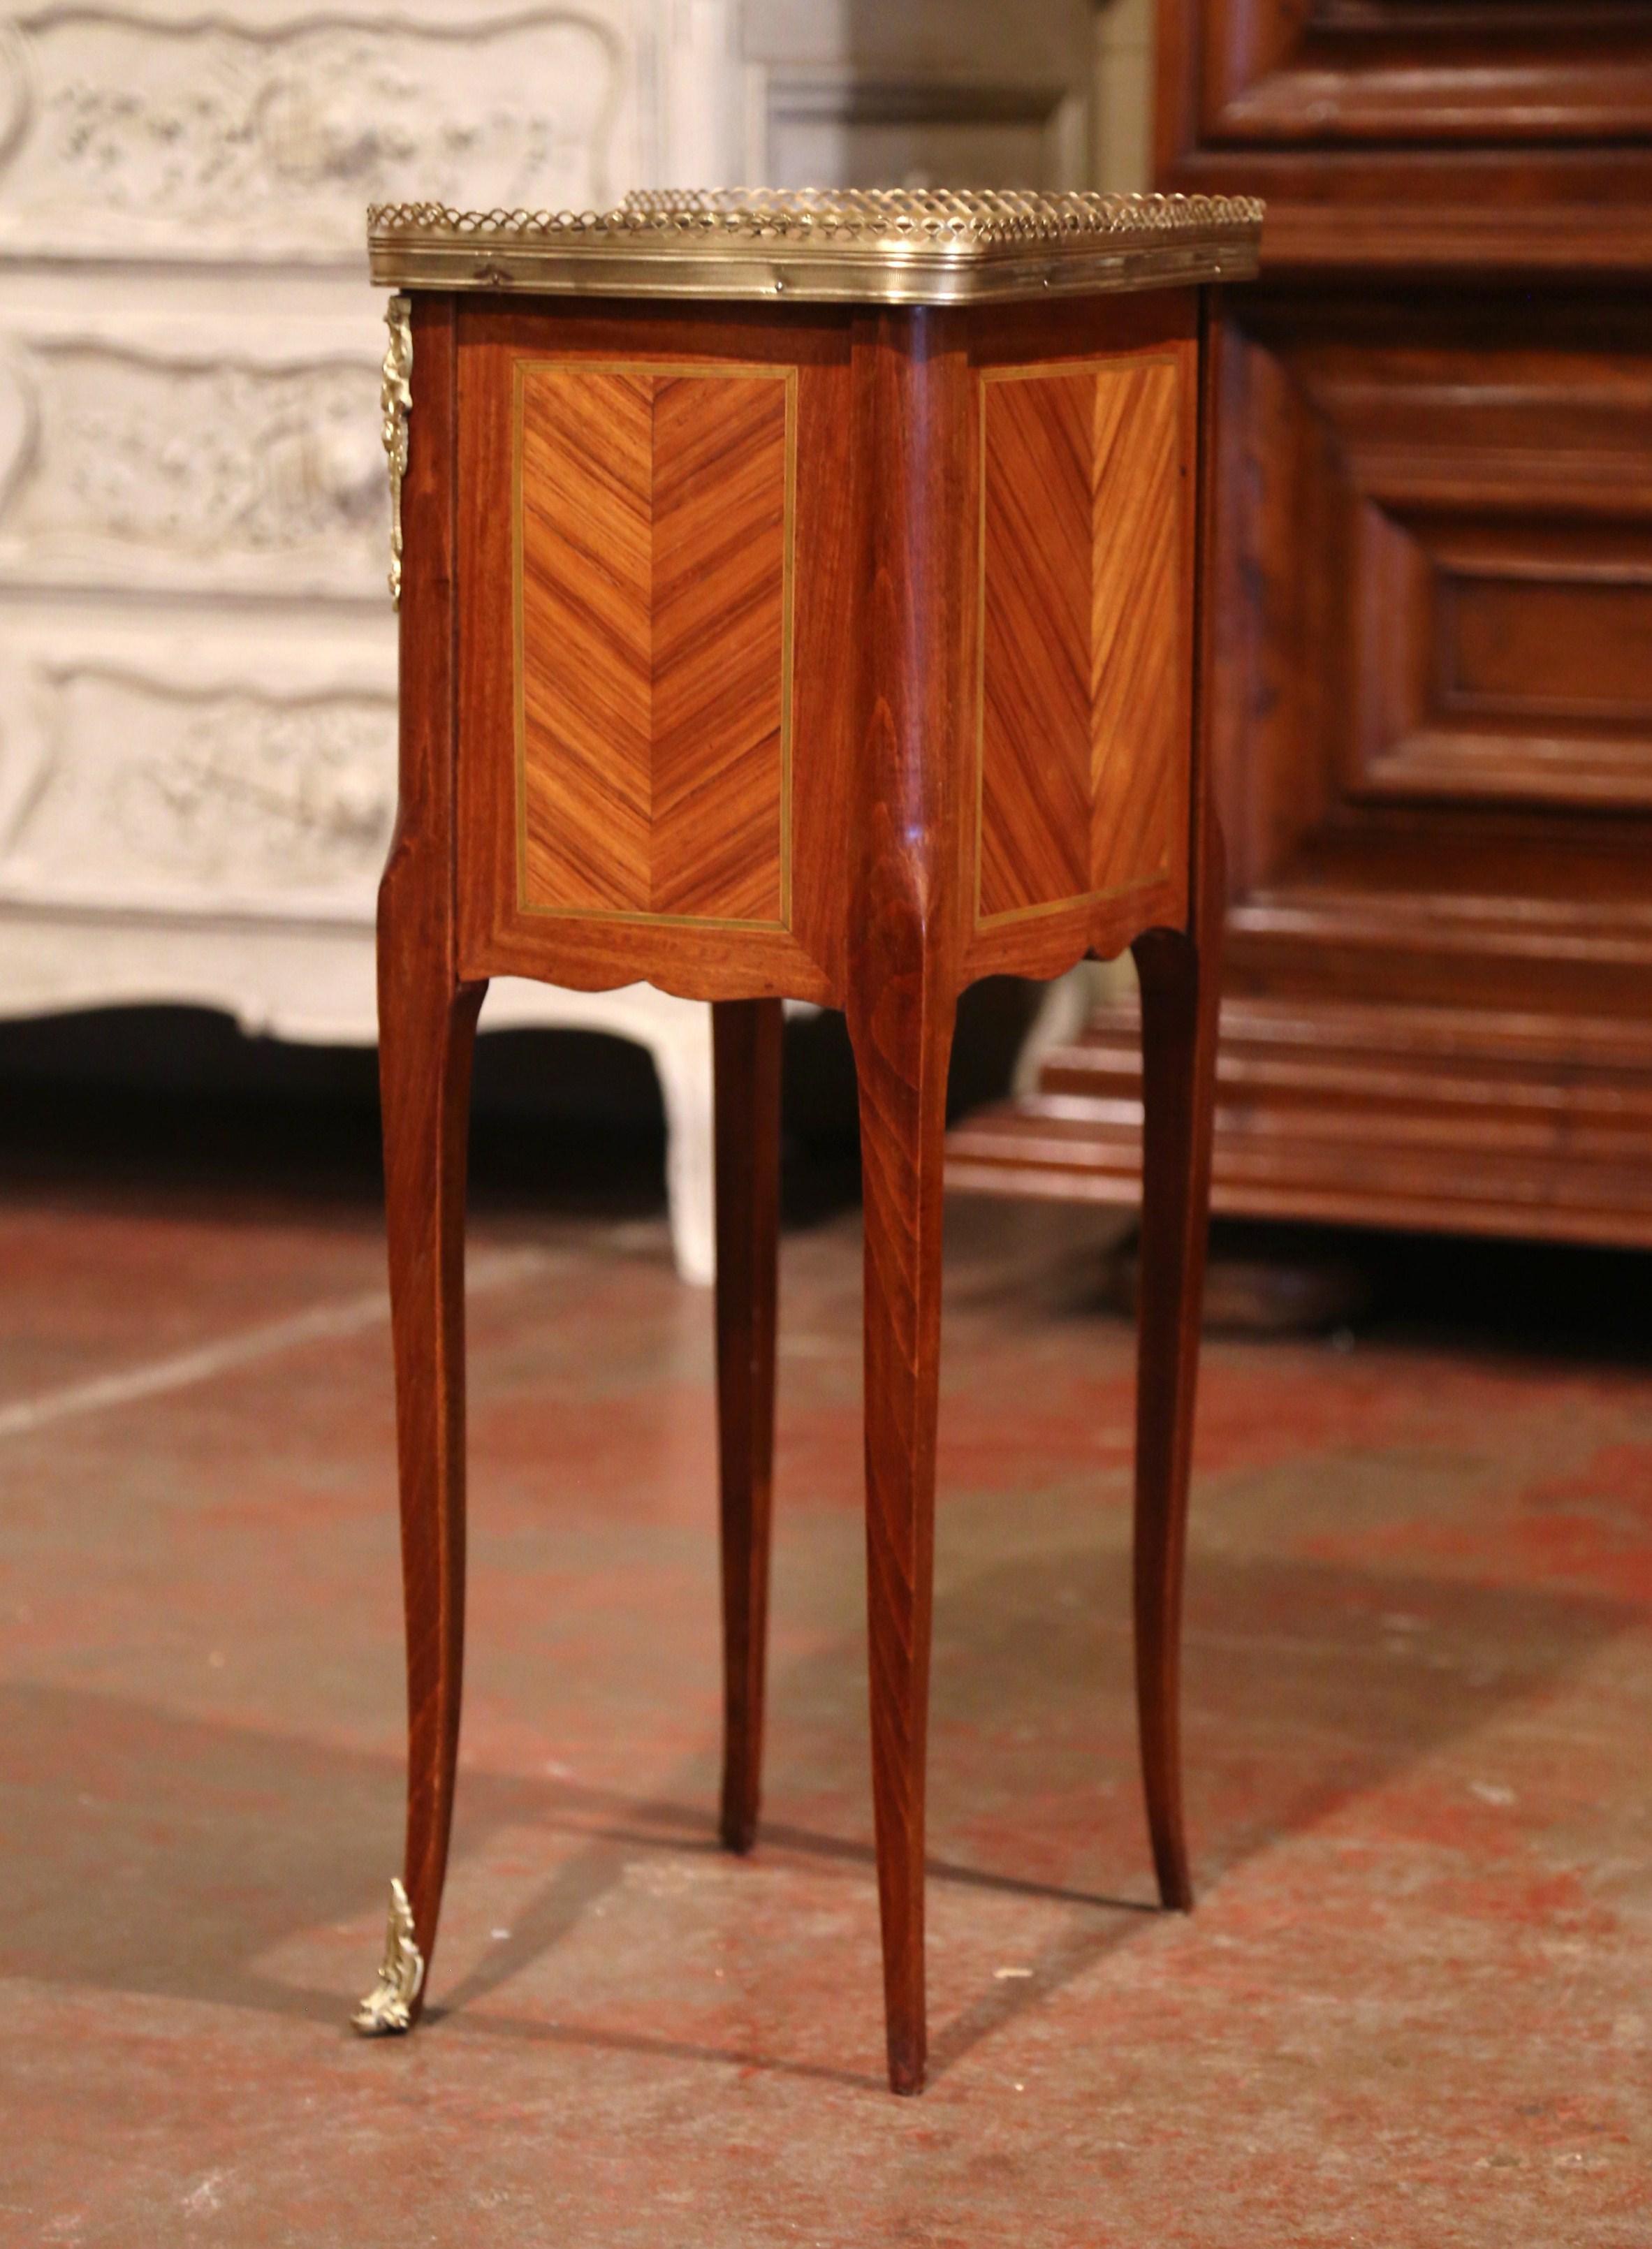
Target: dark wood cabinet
(1430,579)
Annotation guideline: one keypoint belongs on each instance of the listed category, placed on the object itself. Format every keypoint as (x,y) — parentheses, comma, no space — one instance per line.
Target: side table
(797,601)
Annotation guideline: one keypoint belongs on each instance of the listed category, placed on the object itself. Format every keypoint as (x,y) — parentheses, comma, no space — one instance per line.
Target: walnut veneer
(838,650)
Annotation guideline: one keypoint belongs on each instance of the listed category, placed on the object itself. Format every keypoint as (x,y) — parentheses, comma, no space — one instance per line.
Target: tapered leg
(746,1037)
(427,1026)
(426,1035)
(902,1044)
(1181,990)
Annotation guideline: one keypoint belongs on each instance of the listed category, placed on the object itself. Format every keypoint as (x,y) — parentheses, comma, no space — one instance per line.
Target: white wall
(928,93)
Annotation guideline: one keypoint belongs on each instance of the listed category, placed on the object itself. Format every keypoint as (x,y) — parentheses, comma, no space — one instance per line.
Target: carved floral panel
(199,137)
(142,795)
(196,474)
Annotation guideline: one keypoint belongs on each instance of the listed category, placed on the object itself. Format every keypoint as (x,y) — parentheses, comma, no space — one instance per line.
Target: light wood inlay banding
(653,651)
(1085,623)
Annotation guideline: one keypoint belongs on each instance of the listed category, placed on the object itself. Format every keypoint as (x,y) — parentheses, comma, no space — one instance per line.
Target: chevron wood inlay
(1140,630)
(654,640)
(1084,631)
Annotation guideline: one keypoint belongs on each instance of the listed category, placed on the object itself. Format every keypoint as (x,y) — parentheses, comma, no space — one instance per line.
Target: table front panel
(654,601)
(653,639)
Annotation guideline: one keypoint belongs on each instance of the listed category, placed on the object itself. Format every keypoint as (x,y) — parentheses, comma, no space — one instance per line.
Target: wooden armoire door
(1430,575)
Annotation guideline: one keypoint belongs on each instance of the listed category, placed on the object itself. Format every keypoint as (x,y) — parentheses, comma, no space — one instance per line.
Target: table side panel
(726,514)
(653,651)
(654,695)
(1036,565)
(582,488)
(1141,637)
(1088,477)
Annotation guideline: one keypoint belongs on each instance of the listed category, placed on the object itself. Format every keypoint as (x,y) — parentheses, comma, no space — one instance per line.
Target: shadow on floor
(177,1100)
(1544,1300)
(148,1853)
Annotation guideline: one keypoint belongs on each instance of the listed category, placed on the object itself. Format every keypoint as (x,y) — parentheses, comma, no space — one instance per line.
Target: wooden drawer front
(1278,72)
(1503,659)
(653,640)
(1086,611)
(1486,567)
(1433,729)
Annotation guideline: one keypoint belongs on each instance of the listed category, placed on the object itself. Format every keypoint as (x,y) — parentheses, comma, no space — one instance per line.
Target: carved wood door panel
(1471,71)
(1434,589)
(1430,583)
(1402,136)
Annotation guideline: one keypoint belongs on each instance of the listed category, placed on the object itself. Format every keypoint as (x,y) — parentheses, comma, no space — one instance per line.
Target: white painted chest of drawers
(196,648)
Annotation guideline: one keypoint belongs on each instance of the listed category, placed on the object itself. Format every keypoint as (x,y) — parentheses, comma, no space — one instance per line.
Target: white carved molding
(123,132)
(842,126)
(313,981)
(126,736)
(18,436)
(198,660)
(138,792)
(199,475)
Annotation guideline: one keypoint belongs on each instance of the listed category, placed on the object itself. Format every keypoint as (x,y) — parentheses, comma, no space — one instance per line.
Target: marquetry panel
(1084,634)
(653,596)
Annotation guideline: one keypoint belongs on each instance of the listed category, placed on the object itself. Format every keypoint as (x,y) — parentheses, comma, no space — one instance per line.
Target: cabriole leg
(902,1044)
(1180,992)
(746,1037)
(426,1036)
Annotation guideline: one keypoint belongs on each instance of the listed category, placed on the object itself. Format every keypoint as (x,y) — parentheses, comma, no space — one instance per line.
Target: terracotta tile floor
(1414,2005)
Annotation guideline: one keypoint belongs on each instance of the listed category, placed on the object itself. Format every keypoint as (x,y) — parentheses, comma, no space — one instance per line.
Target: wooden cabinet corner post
(427,1026)
(901,981)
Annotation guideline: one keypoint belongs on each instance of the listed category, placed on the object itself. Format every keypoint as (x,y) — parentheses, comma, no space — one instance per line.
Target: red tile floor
(1413,2006)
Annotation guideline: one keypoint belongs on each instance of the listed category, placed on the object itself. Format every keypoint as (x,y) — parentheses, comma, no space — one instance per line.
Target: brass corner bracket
(395,403)
(387,2009)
